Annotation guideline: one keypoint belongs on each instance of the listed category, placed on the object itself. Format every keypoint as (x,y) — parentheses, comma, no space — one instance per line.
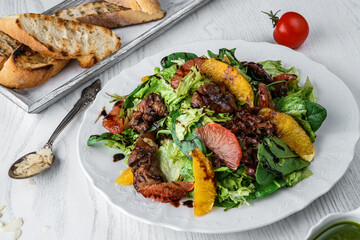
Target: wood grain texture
(64,199)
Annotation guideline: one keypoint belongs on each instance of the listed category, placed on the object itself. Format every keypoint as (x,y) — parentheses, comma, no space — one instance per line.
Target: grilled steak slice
(149,110)
(168,191)
(215,96)
(256,71)
(112,122)
(143,163)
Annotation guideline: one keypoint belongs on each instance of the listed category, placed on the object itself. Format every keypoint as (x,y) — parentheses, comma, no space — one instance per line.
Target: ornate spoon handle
(87,96)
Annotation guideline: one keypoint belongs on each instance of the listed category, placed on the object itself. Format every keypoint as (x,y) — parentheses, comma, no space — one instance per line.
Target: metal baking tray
(34,100)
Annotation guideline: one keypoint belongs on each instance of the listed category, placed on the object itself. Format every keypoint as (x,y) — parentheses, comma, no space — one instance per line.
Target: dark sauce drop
(118,157)
(188,203)
(175,203)
(102,113)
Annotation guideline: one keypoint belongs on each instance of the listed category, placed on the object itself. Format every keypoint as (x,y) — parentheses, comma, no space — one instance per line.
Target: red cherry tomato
(291,29)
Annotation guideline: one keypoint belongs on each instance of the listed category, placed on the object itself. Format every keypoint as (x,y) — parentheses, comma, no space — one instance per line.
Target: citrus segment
(126,177)
(204,183)
(232,78)
(222,142)
(289,130)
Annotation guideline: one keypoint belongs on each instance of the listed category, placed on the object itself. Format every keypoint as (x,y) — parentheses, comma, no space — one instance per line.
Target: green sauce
(345,230)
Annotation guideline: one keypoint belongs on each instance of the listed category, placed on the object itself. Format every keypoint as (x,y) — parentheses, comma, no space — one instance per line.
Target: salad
(221,131)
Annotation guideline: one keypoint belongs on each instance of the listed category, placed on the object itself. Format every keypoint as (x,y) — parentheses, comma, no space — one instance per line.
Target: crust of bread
(148,6)
(3,59)
(59,38)
(26,69)
(108,15)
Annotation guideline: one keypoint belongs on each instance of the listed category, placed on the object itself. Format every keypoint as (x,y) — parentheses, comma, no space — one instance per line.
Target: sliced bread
(108,15)
(26,68)
(7,47)
(148,6)
(61,39)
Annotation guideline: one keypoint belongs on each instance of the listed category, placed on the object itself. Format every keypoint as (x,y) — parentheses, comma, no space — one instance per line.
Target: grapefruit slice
(204,183)
(167,191)
(232,78)
(126,177)
(222,142)
(289,130)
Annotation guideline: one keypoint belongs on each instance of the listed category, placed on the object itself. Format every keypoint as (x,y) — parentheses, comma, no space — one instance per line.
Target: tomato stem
(273,17)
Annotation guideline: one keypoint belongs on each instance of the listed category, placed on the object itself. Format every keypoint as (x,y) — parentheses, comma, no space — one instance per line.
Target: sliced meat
(168,191)
(215,96)
(249,129)
(257,71)
(184,70)
(280,89)
(143,163)
(265,99)
(149,110)
(112,122)
(288,77)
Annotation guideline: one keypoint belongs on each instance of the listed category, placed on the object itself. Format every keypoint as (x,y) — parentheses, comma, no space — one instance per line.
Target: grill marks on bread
(60,38)
(108,15)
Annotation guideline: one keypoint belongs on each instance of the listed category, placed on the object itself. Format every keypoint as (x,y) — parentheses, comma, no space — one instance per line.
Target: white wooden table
(64,199)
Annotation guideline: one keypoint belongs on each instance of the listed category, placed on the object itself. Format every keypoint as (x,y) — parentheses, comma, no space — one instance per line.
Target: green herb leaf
(168,61)
(316,114)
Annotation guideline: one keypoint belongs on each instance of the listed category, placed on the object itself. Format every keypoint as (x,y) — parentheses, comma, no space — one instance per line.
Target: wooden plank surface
(64,199)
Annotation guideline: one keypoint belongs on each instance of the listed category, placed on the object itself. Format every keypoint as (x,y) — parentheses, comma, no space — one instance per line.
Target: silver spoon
(87,96)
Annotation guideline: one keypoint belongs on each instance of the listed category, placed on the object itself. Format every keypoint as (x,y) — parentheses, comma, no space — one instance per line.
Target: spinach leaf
(168,60)
(262,191)
(315,114)
(275,156)
(264,176)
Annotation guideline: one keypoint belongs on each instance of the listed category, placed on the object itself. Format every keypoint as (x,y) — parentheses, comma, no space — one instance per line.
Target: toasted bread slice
(7,47)
(26,68)
(108,15)
(61,39)
(148,6)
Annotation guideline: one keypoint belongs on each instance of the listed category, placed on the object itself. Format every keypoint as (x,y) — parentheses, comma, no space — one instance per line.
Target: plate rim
(303,205)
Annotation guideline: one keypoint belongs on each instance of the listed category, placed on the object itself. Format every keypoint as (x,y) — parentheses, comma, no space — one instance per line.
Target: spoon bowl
(13,167)
(87,96)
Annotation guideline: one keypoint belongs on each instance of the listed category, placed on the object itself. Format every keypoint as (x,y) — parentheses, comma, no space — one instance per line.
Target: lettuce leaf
(295,177)
(171,160)
(233,187)
(187,171)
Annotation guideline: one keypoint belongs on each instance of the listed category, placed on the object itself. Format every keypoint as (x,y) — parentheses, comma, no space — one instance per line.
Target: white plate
(335,144)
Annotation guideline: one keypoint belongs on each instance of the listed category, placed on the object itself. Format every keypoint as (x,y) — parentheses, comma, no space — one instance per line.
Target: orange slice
(126,177)
(232,78)
(204,183)
(289,130)
(144,79)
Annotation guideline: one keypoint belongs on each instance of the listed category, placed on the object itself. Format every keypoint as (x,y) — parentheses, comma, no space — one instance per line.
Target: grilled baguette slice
(148,6)
(7,47)
(26,68)
(108,15)
(61,39)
